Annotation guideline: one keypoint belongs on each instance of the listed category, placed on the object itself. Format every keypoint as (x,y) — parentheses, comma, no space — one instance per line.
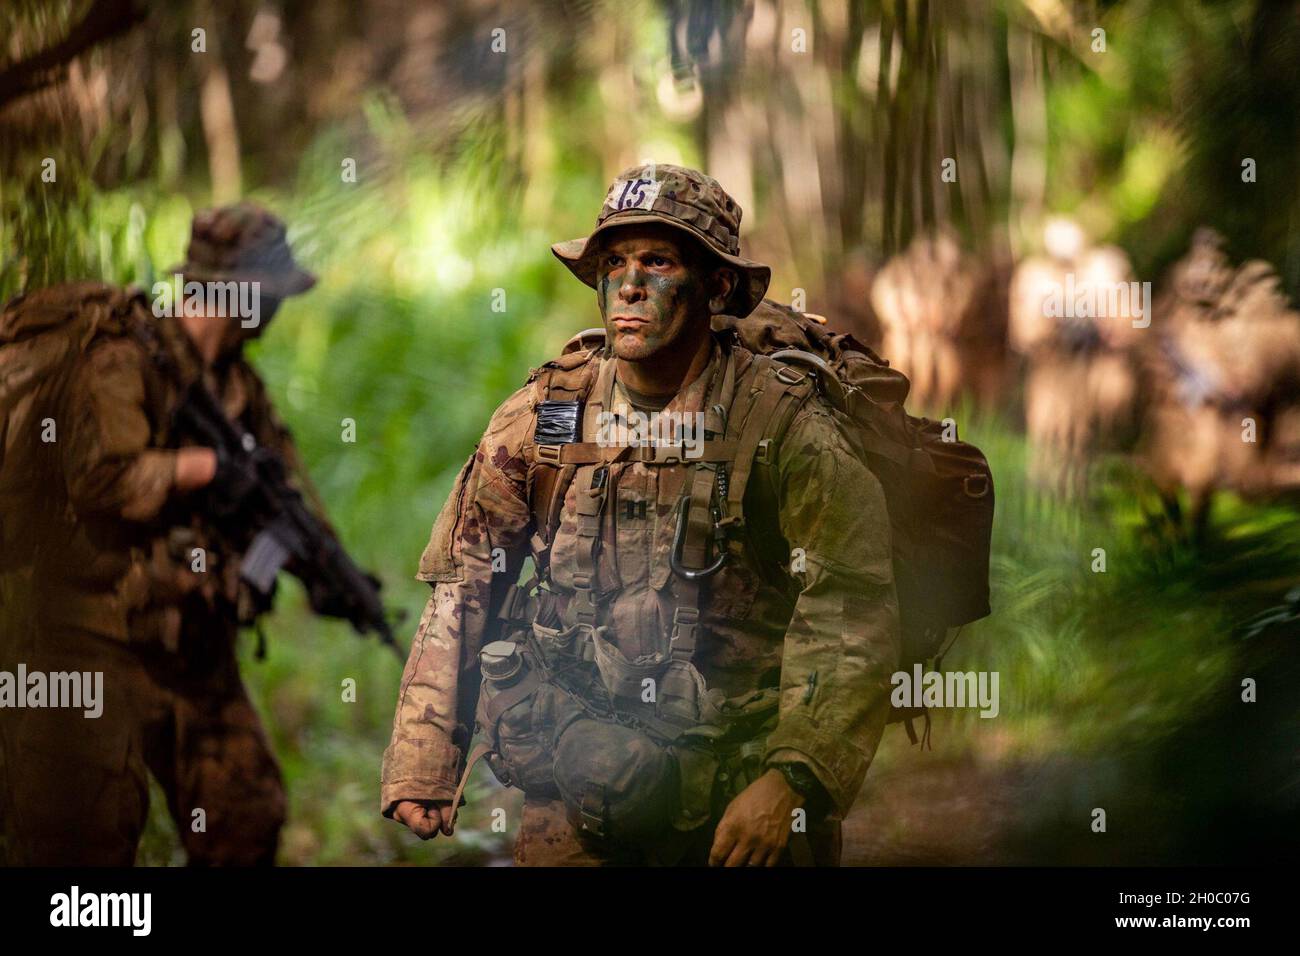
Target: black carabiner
(679,541)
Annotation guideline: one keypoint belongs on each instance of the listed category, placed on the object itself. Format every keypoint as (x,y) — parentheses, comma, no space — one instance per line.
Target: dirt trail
(933,812)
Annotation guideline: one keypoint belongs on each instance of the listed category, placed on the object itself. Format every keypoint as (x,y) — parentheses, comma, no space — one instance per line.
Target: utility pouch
(625,679)
(684,699)
(624,777)
(617,782)
(718,759)
(697,769)
(563,644)
(675,687)
(620,782)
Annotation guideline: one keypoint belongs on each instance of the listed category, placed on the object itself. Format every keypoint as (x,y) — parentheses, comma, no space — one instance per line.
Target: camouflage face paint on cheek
(602,297)
(670,299)
(661,300)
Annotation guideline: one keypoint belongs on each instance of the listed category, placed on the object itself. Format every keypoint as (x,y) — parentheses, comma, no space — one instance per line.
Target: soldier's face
(241,329)
(653,291)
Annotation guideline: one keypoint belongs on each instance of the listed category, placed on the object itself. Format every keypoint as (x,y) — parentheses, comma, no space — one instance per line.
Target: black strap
(800,847)
(507,698)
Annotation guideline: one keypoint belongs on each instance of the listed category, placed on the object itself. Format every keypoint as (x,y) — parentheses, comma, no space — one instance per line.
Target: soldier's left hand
(756,825)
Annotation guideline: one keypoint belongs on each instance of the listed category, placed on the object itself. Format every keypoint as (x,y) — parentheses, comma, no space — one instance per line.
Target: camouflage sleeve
(105,447)
(486,511)
(843,640)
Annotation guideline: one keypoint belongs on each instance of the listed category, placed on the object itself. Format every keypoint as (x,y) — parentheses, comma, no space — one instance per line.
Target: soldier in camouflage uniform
(1225,366)
(103,572)
(1081,382)
(820,634)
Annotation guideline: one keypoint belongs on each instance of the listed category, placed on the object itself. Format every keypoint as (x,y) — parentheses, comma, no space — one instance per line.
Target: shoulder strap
(780,390)
(569,378)
(593,492)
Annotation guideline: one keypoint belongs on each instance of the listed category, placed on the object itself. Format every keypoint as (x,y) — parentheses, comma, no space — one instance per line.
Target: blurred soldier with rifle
(148,497)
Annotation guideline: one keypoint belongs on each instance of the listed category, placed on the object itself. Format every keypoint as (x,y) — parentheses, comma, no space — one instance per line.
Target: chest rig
(705,481)
(631,744)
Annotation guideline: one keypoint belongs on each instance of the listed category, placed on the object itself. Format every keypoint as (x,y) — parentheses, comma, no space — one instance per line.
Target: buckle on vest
(591,811)
(685,620)
(581,610)
(789,375)
(549,454)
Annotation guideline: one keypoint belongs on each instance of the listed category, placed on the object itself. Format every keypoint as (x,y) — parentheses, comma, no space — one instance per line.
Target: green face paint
(647,300)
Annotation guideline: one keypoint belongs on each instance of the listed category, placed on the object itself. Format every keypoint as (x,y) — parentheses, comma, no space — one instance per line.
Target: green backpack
(41,334)
(938,489)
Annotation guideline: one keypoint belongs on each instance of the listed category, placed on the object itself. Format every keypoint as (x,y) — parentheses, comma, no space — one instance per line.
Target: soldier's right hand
(426,818)
(195,467)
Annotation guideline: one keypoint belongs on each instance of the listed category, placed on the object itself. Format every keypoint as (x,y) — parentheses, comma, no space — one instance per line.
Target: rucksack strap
(548,484)
(782,390)
(924,739)
(697,511)
(593,489)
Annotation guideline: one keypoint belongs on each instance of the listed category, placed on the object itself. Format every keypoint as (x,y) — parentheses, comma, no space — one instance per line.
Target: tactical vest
(562,707)
(710,520)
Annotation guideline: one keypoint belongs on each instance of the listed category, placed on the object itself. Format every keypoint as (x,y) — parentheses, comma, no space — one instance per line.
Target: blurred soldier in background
(1226,370)
(923,299)
(111,563)
(1072,317)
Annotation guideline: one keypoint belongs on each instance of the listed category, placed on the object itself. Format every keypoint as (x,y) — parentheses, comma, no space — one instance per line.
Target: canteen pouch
(520,717)
(697,774)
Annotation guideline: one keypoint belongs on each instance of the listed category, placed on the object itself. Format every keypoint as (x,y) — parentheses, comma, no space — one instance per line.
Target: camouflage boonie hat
(682,198)
(243,242)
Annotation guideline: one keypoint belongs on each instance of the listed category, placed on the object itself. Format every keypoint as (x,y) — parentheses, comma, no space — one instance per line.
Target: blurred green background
(1118,690)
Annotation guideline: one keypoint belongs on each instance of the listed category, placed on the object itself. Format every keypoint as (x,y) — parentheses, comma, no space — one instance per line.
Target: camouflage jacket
(824,629)
(107,541)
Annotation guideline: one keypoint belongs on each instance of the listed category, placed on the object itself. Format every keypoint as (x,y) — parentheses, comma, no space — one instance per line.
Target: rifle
(251,496)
